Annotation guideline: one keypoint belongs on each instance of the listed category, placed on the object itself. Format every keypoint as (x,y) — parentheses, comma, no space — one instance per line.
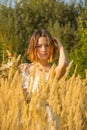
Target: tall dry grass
(67,97)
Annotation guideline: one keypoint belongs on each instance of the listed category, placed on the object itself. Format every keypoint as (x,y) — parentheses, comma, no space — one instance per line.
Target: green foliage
(8,43)
(81,52)
(47,14)
(17,25)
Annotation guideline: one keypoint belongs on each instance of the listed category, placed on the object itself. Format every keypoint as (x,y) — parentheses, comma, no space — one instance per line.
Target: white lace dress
(34,85)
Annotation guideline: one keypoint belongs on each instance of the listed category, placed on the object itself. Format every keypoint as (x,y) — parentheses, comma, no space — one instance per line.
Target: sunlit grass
(67,97)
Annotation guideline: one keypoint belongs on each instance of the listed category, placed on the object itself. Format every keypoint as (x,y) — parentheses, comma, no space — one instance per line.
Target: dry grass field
(67,97)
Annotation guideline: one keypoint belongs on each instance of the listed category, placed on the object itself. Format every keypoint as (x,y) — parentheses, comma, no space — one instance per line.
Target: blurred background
(65,19)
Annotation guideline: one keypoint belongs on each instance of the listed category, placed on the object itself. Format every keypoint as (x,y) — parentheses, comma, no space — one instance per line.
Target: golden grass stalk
(66,97)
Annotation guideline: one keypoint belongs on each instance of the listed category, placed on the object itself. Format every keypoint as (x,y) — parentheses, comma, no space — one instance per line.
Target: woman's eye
(46,45)
(38,46)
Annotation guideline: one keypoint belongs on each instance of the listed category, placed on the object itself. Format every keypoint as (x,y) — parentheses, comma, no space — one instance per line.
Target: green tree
(8,38)
(59,18)
(81,51)
(32,15)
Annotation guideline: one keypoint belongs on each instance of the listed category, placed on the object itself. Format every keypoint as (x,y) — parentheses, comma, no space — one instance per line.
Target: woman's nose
(43,48)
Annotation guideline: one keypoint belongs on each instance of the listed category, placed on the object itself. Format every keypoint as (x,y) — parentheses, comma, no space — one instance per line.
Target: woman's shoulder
(24,67)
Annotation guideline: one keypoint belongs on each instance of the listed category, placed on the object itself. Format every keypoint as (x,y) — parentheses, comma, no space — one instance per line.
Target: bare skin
(63,60)
(42,49)
(43,52)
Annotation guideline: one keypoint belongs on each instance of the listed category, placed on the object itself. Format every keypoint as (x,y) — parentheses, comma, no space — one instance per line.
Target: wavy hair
(32,52)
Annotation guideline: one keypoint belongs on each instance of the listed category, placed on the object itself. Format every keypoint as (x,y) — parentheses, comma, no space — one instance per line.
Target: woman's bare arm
(63,60)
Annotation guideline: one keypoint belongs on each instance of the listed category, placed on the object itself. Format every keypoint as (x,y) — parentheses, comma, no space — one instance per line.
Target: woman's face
(43,49)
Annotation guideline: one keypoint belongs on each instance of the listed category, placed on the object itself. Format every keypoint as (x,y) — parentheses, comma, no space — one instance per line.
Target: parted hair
(31,52)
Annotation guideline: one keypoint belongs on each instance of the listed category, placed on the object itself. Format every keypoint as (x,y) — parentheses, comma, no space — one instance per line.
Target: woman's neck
(43,65)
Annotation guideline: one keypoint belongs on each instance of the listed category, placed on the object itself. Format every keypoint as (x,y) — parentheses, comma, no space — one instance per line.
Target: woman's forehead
(42,40)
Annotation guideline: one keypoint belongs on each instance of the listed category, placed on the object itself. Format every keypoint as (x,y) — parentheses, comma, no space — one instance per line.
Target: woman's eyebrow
(45,43)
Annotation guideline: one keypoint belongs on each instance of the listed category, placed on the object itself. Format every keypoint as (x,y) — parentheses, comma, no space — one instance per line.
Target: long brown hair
(32,55)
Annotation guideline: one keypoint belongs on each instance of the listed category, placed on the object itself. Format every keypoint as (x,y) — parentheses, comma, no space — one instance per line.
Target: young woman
(42,50)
